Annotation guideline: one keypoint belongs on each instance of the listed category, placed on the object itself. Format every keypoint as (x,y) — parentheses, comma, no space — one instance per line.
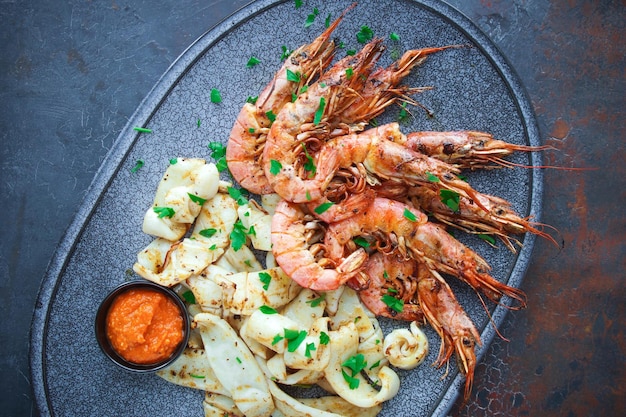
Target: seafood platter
(346,212)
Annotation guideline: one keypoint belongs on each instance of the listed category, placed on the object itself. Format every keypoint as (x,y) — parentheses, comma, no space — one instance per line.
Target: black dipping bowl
(103,340)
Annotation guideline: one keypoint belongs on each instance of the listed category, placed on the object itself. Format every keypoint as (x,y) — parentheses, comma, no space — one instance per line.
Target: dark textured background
(73,72)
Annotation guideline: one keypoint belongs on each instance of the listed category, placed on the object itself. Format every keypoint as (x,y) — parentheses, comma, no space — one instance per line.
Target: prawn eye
(467,342)
(448,148)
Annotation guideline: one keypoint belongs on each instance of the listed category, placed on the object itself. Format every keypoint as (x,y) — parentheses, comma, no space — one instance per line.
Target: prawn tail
(494,289)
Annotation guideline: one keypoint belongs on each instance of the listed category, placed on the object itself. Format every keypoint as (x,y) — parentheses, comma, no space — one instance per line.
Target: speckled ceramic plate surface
(474,88)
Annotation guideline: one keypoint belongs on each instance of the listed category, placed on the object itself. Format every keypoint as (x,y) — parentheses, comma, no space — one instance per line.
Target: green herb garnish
(164,212)
(323,207)
(138,165)
(409,215)
(267,310)
(198,200)
(207,232)
(252,61)
(265,278)
(365,34)
(393,303)
(320,111)
(216,97)
(450,198)
(189,297)
(316,301)
(275,166)
(142,129)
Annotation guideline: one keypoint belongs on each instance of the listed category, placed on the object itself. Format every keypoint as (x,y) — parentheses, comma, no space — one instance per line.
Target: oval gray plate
(474,88)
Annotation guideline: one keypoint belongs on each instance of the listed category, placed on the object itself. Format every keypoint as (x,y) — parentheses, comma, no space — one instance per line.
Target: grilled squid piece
(179,197)
(169,263)
(235,366)
(406,349)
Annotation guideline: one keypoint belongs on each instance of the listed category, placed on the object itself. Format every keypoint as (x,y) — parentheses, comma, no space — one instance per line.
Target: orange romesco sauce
(144,326)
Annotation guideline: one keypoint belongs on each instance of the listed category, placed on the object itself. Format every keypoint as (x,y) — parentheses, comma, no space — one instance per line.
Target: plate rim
(159,92)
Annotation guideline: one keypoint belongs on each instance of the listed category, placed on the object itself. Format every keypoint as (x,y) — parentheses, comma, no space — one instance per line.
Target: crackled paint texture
(567,350)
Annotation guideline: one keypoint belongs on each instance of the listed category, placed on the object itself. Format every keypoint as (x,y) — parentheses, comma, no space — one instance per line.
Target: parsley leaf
(286,52)
(431,177)
(393,303)
(265,278)
(271,116)
(309,166)
(138,165)
(320,111)
(361,242)
(450,198)
(394,36)
(189,297)
(252,100)
(142,129)
(487,238)
(216,97)
(237,195)
(293,76)
(324,338)
(238,236)
(198,200)
(365,34)
(409,215)
(207,232)
(267,310)
(309,348)
(252,61)
(164,212)
(275,166)
(323,207)
(298,3)
(311,17)
(316,301)
(294,338)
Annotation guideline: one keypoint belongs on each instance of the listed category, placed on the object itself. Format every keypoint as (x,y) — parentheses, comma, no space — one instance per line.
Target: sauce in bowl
(144,326)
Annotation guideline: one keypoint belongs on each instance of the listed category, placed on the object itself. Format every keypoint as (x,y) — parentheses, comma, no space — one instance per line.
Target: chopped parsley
(404,114)
(349,73)
(142,129)
(216,97)
(294,338)
(298,3)
(324,338)
(238,236)
(197,376)
(275,166)
(316,301)
(309,348)
(365,34)
(393,303)
(285,52)
(309,165)
(138,165)
(173,161)
(189,297)
(323,207)
(355,364)
(252,61)
(320,111)
(267,310)
(431,177)
(311,17)
(293,76)
(487,238)
(164,212)
(351,52)
(271,116)
(327,21)
(218,152)
(409,215)
(265,278)
(450,198)
(252,100)
(361,242)
(207,232)
(237,195)
(198,200)
(394,36)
